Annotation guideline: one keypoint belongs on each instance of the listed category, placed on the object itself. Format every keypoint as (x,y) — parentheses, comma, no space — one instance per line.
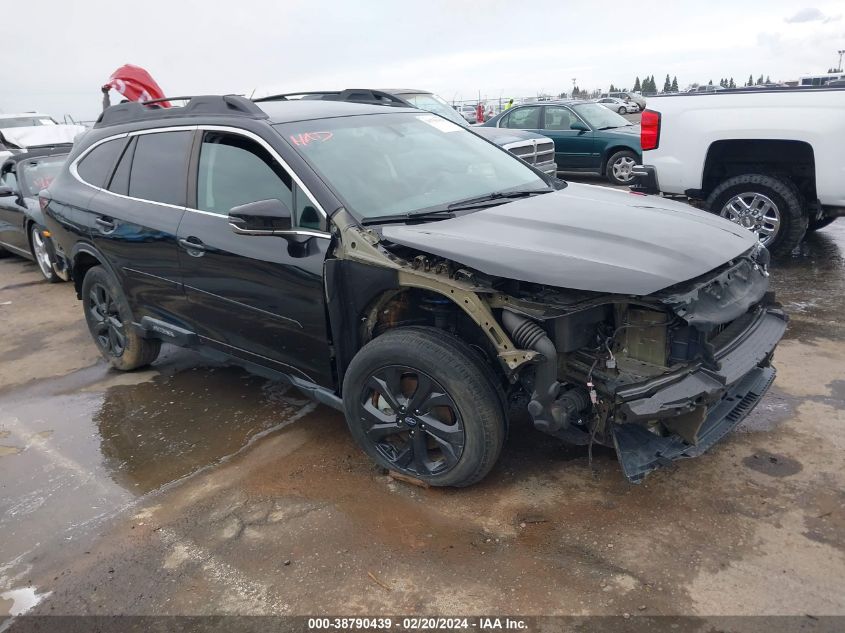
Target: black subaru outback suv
(415,276)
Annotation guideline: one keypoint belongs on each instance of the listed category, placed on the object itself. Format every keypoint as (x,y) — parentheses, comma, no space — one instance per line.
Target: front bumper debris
(700,408)
(640,451)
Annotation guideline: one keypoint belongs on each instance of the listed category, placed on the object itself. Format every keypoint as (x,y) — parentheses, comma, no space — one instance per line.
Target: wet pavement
(194,488)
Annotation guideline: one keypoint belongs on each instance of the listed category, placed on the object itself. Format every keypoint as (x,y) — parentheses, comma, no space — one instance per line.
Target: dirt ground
(194,488)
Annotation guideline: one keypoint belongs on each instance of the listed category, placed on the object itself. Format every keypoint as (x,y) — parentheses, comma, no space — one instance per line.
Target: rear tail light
(650,130)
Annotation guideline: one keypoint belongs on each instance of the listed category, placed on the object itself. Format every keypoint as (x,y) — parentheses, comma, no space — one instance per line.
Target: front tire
(421,402)
(41,254)
(110,323)
(622,110)
(620,167)
(770,207)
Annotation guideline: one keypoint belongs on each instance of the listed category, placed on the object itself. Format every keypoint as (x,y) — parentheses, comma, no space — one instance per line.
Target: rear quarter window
(97,165)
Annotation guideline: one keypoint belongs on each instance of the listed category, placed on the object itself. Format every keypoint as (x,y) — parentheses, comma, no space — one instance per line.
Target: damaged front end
(661,377)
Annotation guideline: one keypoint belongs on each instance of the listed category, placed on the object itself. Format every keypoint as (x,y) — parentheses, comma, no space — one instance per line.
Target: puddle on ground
(156,432)
(810,284)
(19,601)
(68,459)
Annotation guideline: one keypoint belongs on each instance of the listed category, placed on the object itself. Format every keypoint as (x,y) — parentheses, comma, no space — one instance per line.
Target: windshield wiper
(445,212)
(439,214)
(495,197)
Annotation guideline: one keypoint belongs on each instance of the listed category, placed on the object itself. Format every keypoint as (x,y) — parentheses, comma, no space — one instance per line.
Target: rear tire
(421,402)
(788,208)
(110,323)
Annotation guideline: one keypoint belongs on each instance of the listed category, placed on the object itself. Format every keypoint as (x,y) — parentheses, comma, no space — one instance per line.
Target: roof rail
(196,106)
(355,95)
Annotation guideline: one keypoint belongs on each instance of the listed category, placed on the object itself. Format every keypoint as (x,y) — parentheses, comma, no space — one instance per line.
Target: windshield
(36,175)
(599,117)
(388,164)
(435,104)
(26,121)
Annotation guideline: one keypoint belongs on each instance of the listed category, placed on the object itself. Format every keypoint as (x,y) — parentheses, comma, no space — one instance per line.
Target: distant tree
(731,83)
(760,80)
(637,87)
(674,84)
(710,83)
(575,91)
(653,84)
(667,85)
(750,81)
(768,81)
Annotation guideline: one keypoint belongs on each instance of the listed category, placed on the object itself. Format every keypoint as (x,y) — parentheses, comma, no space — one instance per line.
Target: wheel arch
(83,258)
(365,301)
(612,149)
(733,157)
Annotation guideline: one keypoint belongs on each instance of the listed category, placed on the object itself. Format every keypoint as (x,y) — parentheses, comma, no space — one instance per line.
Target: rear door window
(159,171)
(96,167)
(557,118)
(524,119)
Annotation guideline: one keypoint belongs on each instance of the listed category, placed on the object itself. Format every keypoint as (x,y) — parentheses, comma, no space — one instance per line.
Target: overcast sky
(58,53)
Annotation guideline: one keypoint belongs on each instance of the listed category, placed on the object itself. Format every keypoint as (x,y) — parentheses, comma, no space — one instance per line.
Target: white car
(33,129)
(768,159)
(618,105)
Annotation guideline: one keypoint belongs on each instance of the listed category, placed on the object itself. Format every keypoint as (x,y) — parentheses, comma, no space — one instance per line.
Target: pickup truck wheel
(815,225)
(769,207)
(110,323)
(620,167)
(419,401)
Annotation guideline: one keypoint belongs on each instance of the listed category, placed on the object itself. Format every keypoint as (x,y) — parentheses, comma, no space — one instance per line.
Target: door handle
(195,248)
(106,224)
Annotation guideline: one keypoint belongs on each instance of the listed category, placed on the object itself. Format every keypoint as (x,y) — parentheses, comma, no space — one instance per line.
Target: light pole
(841,53)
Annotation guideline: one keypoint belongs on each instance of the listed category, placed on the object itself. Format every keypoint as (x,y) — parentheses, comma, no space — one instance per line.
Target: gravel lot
(193,488)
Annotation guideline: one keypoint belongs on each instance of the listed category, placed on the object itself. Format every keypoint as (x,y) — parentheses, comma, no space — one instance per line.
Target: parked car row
(588,138)
(618,105)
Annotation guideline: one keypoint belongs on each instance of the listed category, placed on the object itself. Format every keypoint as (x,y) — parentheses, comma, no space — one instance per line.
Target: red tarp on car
(136,84)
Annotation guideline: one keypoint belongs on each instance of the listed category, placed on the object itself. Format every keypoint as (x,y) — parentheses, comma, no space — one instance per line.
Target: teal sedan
(588,137)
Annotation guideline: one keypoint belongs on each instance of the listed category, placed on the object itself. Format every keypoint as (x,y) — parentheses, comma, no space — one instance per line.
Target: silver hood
(584,237)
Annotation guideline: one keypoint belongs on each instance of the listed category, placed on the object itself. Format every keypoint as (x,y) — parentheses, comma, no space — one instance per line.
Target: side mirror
(6,191)
(580,126)
(264,217)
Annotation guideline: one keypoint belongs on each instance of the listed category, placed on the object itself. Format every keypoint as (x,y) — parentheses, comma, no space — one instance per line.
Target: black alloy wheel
(411,421)
(107,326)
